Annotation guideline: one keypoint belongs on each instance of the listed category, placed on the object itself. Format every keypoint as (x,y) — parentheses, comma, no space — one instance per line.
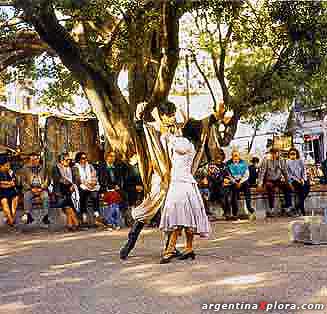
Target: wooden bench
(316,200)
(314,203)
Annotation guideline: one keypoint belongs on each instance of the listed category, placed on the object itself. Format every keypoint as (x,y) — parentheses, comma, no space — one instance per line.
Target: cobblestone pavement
(70,273)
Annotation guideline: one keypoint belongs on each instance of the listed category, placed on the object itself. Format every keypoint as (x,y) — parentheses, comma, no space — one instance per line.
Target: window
(311,116)
(312,148)
(27,102)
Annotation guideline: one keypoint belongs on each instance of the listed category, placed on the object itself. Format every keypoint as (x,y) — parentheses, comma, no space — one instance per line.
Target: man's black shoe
(177,253)
(123,254)
(46,220)
(30,219)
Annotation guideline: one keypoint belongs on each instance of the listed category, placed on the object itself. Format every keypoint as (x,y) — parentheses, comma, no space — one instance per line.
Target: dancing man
(159,169)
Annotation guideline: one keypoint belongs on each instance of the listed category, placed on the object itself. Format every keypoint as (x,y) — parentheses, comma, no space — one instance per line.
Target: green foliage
(314,91)
(305,23)
(92,23)
(272,49)
(61,85)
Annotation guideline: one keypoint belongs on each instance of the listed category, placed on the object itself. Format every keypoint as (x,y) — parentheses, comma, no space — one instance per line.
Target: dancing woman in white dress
(184,207)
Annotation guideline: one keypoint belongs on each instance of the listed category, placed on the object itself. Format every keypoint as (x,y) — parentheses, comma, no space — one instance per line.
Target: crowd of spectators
(88,194)
(226,180)
(104,193)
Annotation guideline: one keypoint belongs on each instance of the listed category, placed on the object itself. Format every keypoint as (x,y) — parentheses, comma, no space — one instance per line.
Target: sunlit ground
(42,272)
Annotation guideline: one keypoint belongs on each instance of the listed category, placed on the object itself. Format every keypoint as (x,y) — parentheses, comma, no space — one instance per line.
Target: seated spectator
(273,174)
(85,177)
(8,191)
(66,191)
(239,172)
(219,183)
(111,182)
(297,178)
(324,171)
(34,182)
(253,171)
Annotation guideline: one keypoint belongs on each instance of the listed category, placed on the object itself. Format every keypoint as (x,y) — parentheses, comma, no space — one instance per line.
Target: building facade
(20,95)
(310,132)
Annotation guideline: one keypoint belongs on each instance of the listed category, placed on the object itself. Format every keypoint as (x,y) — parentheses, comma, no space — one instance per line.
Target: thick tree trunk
(136,51)
(170,53)
(99,80)
(230,129)
(154,57)
(118,126)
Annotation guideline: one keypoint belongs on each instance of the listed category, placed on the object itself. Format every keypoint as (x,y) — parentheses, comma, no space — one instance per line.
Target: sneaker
(84,218)
(253,217)
(117,227)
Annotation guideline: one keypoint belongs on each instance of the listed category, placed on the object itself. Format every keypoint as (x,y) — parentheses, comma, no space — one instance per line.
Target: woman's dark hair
(255,160)
(3,159)
(192,131)
(293,149)
(167,108)
(62,156)
(79,156)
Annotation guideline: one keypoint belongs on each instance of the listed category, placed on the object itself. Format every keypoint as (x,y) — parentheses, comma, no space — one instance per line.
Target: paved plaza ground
(72,273)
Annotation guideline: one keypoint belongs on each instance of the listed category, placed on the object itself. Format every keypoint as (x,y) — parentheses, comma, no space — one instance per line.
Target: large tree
(87,43)
(94,41)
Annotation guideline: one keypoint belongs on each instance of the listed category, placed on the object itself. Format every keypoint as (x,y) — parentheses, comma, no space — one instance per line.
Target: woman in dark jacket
(64,188)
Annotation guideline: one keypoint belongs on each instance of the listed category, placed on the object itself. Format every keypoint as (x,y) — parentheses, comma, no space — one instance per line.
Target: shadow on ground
(42,272)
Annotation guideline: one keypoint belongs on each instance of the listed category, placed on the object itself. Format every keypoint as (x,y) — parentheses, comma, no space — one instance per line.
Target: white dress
(184,206)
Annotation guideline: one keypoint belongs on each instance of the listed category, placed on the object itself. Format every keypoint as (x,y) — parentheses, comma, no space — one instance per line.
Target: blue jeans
(111,214)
